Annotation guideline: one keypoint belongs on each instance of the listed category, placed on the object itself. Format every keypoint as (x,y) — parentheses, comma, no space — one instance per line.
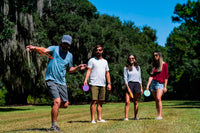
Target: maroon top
(161,76)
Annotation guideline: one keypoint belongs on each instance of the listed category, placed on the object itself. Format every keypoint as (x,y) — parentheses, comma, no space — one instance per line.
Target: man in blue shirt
(55,75)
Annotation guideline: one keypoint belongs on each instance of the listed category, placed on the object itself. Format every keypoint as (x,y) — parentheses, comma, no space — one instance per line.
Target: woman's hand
(165,90)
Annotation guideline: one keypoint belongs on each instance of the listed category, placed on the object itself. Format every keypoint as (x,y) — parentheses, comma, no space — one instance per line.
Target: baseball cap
(67,39)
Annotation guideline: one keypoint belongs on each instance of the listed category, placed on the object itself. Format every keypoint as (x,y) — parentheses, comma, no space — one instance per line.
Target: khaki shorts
(98,93)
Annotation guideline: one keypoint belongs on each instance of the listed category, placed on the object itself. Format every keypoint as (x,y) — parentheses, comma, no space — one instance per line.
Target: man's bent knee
(57,102)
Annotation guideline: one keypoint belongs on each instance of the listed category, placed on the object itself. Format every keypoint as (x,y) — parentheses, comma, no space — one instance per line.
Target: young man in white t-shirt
(98,71)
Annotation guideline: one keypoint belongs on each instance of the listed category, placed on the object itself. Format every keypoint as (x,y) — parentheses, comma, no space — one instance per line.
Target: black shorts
(57,90)
(135,87)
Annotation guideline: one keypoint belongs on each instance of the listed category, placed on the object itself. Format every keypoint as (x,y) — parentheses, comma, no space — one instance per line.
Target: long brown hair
(129,65)
(157,64)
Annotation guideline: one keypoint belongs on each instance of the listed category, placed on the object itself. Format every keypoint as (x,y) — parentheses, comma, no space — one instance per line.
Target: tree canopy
(22,74)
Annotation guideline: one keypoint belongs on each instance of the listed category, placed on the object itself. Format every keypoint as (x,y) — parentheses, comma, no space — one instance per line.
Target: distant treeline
(25,22)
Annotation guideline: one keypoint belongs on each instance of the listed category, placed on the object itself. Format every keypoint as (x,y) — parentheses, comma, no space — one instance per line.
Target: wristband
(109,83)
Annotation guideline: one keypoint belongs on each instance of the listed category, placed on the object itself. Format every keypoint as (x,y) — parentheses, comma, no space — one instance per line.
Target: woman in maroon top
(158,80)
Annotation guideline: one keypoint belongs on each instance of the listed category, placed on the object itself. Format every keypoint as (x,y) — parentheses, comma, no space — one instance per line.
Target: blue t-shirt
(56,68)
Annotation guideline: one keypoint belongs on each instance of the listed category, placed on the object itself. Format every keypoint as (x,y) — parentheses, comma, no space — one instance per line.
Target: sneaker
(126,119)
(101,121)
(136,118)
(158,118)
(55,128)
(93,122)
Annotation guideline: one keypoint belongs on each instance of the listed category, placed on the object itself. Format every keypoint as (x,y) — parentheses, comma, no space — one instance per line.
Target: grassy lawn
(178,117)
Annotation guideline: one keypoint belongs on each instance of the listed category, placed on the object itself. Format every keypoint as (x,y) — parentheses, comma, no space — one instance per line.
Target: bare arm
(165,85)
(128,89)
(141,89)
(108,80)
(149,82)
(77,68)
(30,48)
(87,75)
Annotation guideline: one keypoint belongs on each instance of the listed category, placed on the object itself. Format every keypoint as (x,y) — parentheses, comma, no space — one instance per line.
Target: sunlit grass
(178,117)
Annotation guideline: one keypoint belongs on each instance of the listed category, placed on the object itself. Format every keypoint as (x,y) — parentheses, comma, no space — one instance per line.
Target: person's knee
(135,102)
(93,102)
(100,103)
(57,102)
(127,102)
(158,99)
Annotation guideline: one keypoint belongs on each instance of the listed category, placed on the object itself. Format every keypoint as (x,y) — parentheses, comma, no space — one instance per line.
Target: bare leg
(157,96)
(55,108)
(92,110)
(127,105)
(136,97)
(99,110)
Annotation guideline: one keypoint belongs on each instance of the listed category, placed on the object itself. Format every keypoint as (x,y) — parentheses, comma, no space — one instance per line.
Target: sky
(154,13)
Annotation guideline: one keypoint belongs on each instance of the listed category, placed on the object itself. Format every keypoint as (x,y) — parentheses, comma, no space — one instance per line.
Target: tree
(183,47)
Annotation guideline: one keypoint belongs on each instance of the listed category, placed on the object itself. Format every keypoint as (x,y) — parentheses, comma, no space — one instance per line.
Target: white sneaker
(136,118)
(126,119)
(158,118)
(93,122)
(101,121)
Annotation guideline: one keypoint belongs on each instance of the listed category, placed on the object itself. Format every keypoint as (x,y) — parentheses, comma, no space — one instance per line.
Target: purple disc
(85,88)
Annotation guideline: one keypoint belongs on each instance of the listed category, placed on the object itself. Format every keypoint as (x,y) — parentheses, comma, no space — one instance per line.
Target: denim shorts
(156,85)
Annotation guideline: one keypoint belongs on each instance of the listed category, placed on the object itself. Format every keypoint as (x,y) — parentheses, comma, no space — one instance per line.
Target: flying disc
(42,52)
(147,93)
(131,94)
(85,88)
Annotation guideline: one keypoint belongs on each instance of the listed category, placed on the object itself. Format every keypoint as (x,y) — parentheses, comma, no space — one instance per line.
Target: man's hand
(109,87)
(30,48)
(85,83)
(82,66)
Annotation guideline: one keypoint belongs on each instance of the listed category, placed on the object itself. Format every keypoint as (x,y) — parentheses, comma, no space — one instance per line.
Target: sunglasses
(155,55)
(98,50)
(131,58)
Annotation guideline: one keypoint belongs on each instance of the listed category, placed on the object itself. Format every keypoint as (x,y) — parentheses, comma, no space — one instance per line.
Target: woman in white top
(133,81)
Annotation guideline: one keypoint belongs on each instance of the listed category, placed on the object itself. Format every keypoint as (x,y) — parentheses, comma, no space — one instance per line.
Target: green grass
(179,117)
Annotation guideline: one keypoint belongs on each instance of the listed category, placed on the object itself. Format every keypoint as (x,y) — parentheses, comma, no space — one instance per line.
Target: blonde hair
(157,65)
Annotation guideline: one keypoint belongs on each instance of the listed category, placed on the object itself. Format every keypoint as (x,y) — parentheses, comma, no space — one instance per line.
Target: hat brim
(66,42)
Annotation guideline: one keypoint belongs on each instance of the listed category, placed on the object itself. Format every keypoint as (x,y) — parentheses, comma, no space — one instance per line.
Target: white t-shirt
(134,75)
(98,73)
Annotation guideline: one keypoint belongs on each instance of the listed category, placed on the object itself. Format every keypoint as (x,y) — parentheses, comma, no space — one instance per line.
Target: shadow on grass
(129,119)
(90,121)
(114,119)
(12,109)
(110,120)
(34,129)
(146,119)
(184,105)
(78,121)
